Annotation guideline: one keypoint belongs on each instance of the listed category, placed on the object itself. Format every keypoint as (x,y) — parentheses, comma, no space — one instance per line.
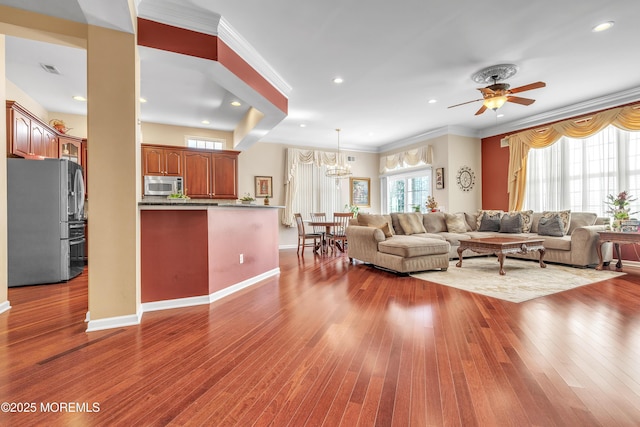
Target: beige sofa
(407,248)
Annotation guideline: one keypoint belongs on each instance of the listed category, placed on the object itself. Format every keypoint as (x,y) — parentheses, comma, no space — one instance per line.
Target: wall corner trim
(5,306)
(114,322)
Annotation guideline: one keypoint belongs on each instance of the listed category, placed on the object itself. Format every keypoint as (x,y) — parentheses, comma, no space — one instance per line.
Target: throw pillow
(385,230)
(527,220)
(456,223)
(372,220)
(511,223)
(411,223)
(490,222)
(434,222)
(551,226)
(482,213)
(565,216)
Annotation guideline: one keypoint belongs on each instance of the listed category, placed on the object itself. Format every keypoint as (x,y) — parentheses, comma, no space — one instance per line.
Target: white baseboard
(5,306)
(114,322)
(118,322)
(288,247)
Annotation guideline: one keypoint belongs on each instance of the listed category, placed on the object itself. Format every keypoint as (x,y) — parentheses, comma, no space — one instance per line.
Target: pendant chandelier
(340,170)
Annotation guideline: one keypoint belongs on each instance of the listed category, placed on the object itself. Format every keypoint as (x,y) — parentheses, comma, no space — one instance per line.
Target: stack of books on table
(629,225)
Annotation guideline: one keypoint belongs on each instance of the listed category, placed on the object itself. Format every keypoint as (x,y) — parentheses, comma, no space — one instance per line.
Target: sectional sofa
(408,242)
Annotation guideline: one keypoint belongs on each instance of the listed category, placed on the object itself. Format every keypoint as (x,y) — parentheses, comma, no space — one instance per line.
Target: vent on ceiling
(50,68)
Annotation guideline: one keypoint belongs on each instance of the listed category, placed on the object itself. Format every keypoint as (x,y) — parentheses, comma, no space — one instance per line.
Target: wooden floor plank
(328,342)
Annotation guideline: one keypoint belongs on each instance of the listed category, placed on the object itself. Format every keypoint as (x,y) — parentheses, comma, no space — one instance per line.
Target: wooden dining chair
(304,238)
(318,216)
(339,231)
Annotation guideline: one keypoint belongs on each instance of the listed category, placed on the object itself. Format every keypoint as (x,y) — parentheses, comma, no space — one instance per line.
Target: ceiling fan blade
(481,110)
(530,86)
(519,100)
(464,103)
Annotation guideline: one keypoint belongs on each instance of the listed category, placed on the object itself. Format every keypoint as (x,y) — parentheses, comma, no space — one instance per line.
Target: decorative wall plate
(466,178)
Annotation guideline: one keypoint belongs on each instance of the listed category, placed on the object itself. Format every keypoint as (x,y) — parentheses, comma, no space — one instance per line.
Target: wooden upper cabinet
(51,143)
(161,161)
(225,176)
(197,175)
(18,133)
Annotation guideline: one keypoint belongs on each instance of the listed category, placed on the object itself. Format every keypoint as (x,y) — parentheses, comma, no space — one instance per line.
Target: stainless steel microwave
(162,185)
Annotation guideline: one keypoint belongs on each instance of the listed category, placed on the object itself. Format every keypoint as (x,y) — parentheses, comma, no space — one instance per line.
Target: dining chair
(339,231)
(304,237)
(318,216)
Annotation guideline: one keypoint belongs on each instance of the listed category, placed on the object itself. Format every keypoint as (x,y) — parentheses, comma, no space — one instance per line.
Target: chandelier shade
(340,169)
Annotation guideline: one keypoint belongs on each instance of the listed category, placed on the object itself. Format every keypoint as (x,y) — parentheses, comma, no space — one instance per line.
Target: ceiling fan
(495,95)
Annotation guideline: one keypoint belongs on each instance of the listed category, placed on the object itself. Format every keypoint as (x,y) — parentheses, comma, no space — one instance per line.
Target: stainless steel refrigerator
(45,221)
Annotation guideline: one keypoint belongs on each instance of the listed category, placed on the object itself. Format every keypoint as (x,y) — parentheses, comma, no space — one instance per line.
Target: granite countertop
(163,201)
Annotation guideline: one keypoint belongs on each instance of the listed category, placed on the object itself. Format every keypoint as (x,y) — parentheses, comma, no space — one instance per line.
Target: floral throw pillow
(483,212)
(565,216)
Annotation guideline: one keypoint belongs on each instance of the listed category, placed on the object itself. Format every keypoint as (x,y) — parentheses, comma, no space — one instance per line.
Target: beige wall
(156,133)
(3,186)
(267,159)
(14,93)
(76,123)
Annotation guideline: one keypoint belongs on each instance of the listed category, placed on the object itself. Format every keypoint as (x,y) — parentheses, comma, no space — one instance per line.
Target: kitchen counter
(195,252)
(198,203)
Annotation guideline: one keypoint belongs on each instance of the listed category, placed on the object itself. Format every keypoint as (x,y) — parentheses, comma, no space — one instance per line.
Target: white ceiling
(393,56)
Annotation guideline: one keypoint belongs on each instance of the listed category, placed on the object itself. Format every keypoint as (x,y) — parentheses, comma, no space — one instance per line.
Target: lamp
(340,170)
(495,102)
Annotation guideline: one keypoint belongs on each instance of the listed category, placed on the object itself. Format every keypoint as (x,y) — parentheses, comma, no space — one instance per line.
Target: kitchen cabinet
(211,175)
(161,161)
(70,149)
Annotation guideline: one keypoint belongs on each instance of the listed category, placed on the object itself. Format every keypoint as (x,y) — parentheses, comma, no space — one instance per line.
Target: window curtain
(294,158)
(415,157)
(626,118)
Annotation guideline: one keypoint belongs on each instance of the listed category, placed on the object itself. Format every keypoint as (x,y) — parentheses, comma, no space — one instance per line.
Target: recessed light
(236,103)
(602,27)
(143,100)
(338,80)
(500,115)
(433,101)
(205,122)
(80,98)
(303,125)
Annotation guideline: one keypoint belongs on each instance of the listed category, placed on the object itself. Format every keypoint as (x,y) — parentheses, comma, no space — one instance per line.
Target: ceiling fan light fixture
(495,102)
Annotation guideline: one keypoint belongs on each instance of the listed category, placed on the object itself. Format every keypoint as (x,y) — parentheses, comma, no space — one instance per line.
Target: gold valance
(626,118)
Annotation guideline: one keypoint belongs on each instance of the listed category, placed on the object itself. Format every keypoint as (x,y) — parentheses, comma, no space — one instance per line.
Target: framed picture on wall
(264,186)
(439,178)
(360,190)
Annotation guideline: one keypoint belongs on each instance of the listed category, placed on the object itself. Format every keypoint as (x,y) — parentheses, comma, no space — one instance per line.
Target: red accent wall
(188,42)
(187,253)
(495,168)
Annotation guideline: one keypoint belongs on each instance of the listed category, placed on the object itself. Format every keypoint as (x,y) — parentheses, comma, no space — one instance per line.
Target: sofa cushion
(582,219)
(372,220)
(481,214)
(434,222)
(472,221)
(411,223)
(527,220)
(454,238)
(385,229)
(408,246)
(511,223)
(558,243)
(395,223)
(565,216)
(490,222)
(456,223)
(551,226)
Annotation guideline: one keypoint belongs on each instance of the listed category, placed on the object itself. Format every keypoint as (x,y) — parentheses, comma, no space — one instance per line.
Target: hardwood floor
(330,343)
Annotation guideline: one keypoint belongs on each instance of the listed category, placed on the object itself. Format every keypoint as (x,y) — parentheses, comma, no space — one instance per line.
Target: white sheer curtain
(578,174)
(306,188)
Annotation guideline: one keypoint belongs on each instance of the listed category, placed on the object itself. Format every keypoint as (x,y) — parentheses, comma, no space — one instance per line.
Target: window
(316,192)
(406,191)
(206,143)
(578,174)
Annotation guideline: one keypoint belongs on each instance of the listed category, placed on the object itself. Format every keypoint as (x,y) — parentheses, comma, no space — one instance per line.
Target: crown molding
(586,107)
(431,134)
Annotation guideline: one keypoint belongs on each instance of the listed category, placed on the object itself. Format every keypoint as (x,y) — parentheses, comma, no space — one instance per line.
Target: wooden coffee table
(501,247)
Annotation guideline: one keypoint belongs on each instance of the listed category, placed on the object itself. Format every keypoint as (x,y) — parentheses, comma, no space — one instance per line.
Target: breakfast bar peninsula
(197,251)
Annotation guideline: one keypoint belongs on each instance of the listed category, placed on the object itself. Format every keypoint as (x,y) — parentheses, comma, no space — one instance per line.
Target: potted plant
(247,199)
(432,205)
(353,209)
(266,200)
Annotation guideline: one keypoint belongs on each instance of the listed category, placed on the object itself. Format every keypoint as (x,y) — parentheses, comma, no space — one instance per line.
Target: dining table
(327,224)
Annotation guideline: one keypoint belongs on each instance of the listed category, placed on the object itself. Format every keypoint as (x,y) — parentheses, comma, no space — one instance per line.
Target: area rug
(524,280)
